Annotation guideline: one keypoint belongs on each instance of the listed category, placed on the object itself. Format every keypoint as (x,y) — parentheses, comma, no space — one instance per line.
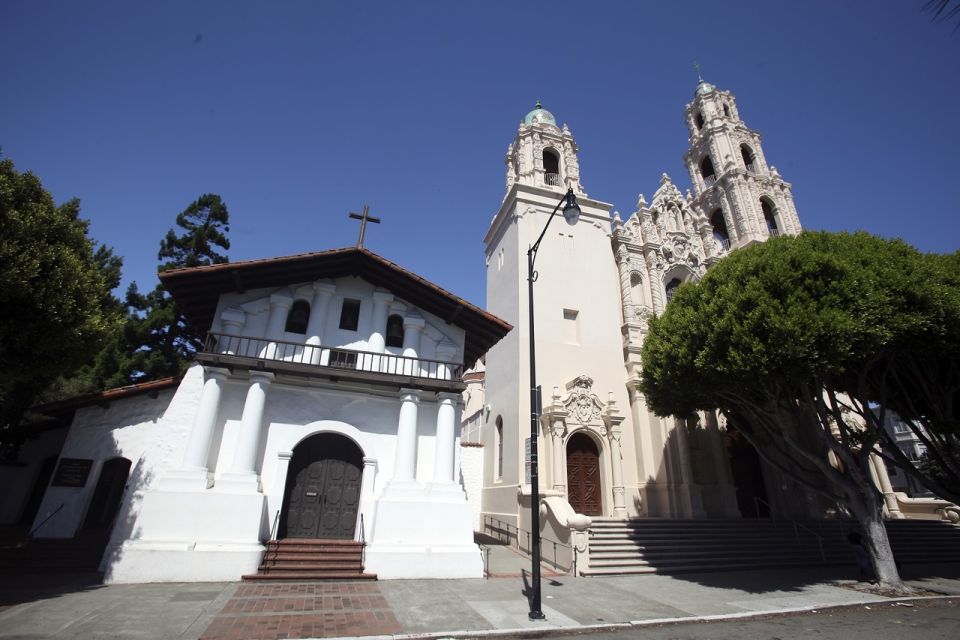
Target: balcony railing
(552,179)
(773,232)
(320,356)
(723,242)
(709,180)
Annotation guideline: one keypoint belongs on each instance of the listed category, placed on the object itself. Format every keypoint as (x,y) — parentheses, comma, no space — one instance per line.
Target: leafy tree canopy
(795,340)
(54,291)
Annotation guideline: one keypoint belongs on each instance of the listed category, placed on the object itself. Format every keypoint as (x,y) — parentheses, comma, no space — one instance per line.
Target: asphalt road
(924,620)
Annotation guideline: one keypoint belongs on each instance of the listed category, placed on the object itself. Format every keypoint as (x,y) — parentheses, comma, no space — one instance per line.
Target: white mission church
(326,427)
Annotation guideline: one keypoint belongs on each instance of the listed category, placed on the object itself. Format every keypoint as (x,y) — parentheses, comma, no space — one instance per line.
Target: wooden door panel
(583,476)
(325,496)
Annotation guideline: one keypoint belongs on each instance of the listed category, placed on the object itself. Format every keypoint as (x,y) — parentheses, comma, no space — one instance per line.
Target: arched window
(749,159)
(769,215)
(699,119)
(551,167)
(499,437)
(297,317)
(726,111)
(672,288)
(395,331)
(706,170)
(720,232)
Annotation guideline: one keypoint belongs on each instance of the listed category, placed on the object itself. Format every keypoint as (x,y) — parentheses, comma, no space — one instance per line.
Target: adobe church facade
(598,282)
(325,404)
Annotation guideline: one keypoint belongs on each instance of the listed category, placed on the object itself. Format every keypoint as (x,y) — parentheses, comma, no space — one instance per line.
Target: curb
(527,632)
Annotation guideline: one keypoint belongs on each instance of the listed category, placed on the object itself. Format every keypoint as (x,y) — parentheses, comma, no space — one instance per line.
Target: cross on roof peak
(364,218)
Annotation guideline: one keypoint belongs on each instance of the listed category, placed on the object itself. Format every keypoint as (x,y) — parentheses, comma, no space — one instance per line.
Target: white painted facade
(597,283)
(210,458)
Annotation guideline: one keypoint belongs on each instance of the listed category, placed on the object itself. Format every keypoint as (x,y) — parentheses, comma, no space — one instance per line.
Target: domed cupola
(539,115)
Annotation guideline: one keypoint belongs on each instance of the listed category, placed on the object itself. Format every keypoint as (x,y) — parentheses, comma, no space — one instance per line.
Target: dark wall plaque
(72,472)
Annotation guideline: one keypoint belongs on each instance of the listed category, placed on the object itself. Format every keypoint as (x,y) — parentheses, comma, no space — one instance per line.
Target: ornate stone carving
(582,404)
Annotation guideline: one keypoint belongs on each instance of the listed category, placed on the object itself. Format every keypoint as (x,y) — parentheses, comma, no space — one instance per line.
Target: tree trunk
(869,514)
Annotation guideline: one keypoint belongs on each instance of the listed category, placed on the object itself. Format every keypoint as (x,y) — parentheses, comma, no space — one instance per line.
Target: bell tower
(577,313)
(742,196)
(543,154)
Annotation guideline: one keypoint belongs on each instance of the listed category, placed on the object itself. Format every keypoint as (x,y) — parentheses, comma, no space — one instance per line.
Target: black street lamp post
(571,213)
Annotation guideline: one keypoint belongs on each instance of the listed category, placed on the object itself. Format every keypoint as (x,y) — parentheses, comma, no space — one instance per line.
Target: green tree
(159,341)
(918,375)
(784,339)
(54,292)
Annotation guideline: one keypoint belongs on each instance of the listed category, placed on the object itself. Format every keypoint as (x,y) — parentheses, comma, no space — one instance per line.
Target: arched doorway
(322,494)
(107,495)
(583,475)
(747,476)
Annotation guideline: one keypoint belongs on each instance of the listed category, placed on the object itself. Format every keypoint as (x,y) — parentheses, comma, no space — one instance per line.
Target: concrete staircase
(653,545)
(304,559)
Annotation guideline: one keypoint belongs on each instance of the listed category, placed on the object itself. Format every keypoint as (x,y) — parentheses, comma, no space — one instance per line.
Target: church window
(720,232)
(395,331)
(699,118)
(672,288)
(570,326)
(551,167)
(499,436)
(749,159)
(726,111)
(706,170)
(769,215)
(350,314)
(297,317)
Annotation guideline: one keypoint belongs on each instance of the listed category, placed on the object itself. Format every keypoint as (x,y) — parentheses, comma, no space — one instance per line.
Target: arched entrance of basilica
(747,476)
(322,493)
(583,475)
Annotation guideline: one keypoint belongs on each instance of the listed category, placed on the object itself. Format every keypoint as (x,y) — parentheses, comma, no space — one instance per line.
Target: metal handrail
(796,532)
(330,357)
(363,545)
(45,520)
(501,524)
(273,529)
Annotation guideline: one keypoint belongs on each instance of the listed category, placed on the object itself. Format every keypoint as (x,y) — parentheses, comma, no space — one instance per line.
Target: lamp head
(571,210)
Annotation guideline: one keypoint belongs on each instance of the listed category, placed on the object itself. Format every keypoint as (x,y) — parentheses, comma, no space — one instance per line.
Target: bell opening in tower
(770,217)
(749,160)
(720,232)
(706,170)
(551,168)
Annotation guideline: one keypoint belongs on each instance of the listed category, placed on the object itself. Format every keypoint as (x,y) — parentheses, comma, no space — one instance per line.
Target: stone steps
(673,546)
(303,559)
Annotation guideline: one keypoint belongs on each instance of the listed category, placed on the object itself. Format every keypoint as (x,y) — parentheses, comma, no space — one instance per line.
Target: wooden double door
(322,494)
(583,475)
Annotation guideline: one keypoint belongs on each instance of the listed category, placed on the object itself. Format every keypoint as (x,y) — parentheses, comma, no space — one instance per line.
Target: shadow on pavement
(20,589)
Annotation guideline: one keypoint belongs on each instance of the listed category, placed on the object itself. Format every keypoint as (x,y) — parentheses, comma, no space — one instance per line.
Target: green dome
(539,115)
(704,87)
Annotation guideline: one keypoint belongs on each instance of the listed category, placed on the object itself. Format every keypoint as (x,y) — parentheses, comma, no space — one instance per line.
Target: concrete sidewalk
(78,608)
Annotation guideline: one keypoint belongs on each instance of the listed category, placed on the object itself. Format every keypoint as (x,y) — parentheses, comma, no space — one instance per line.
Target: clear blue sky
(300,112)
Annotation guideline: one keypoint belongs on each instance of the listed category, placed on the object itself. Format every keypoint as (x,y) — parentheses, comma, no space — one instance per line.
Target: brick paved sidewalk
(303,610)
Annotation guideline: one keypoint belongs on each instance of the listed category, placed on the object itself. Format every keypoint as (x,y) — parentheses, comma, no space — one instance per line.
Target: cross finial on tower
(364,218)
(696,65)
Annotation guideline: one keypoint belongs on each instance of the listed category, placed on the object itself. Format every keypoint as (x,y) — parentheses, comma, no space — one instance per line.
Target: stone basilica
(602,452)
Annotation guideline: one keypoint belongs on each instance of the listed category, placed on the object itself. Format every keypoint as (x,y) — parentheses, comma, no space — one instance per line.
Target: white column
(204,423)
(405,468)
(232,321)
(413,324)
(322,293)
(446,354)
(251,425)
(612,420)
(378,329)
(886,488)
(559,468)
(279,307)
(443,468)
(616,458)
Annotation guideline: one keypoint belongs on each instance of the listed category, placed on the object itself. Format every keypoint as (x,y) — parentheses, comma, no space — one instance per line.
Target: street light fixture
(571,213)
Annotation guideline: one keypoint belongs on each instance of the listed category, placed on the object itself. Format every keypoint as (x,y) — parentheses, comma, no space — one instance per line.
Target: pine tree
(159,341)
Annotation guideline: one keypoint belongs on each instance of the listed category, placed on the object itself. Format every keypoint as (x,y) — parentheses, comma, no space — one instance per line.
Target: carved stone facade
(603,273)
